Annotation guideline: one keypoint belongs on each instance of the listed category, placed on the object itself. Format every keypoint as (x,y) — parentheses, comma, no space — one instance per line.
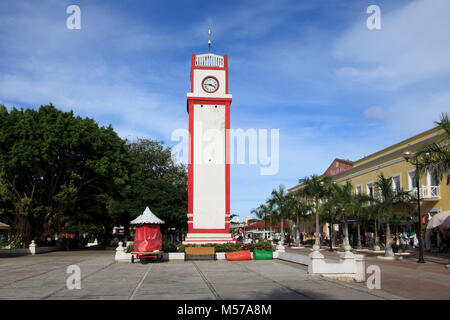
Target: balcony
(427,193)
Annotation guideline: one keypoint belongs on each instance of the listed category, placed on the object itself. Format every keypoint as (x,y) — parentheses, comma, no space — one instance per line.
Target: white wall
(209,167)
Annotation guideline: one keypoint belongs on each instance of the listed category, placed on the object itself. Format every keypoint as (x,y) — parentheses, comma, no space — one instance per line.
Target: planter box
(170,256)
(220,255)
(262,255)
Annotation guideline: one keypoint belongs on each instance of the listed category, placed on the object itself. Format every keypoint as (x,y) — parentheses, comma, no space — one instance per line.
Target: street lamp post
(407,157)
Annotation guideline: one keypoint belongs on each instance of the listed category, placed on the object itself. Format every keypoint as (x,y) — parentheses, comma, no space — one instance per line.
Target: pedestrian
(351,239)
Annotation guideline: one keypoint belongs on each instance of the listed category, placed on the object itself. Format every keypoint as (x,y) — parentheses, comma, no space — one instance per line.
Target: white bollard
(32,247)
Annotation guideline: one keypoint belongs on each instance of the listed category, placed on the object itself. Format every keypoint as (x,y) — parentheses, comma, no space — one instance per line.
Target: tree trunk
(376,247)
(359,237)
(317,236)
(346,241)
(331,236)
(388,251)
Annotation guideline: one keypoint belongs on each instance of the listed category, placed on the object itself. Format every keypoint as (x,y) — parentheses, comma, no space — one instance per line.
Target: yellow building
(363,173)
(391,163)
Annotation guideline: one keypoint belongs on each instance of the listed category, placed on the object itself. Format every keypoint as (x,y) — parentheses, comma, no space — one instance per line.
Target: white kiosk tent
(4,226)
(148,237)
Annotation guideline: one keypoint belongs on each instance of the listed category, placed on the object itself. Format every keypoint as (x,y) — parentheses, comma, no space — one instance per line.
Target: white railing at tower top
(209,60)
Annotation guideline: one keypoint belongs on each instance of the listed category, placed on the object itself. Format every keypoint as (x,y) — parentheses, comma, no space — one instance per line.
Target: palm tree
(435,157)
(385,202)
(344,200)
(315,188)
(263,212)
(328,212)
(280,204)
(300,209)
(362,210)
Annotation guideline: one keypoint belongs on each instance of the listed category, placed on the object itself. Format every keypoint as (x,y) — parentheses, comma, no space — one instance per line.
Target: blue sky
(311,69)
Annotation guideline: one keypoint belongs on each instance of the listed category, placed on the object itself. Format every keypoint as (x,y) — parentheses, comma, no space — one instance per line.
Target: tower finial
(209,40)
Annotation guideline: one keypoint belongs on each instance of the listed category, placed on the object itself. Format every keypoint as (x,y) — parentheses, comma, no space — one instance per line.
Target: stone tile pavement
(44,277)
(406,277)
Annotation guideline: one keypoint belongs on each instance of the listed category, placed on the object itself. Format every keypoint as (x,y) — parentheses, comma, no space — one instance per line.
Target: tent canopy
(147,217)
(4,226)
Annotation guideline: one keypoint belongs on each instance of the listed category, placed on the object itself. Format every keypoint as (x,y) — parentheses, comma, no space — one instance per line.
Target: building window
(358,189)
(396,186)
(369,187)
(412,183)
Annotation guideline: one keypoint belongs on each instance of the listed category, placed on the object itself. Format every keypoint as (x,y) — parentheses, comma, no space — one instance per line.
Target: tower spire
(209,40)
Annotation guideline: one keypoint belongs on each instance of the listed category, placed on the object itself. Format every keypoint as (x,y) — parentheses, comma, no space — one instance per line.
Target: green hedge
(232,246)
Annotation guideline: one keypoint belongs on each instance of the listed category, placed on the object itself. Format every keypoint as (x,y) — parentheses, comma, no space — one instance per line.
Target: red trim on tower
(209,230)
(227,165)
(192,72)
(225,61)
(209,68)
(191,163)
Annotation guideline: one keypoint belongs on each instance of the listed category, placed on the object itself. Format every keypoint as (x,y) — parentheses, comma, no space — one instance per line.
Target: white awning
(147,217)
(441,218)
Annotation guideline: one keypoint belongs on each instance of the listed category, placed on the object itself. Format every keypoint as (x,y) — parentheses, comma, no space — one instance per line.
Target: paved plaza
(44,277)
(406,277)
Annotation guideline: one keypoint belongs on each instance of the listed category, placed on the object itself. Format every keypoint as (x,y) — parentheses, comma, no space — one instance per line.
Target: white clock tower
(208,105)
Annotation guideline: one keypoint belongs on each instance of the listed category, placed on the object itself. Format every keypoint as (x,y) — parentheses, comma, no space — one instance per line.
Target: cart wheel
(132,259)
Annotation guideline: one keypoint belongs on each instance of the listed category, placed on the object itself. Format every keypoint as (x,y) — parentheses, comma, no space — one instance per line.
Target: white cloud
(411,46)
(375,112)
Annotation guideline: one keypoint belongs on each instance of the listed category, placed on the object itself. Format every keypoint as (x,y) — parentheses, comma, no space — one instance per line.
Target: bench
(199,253)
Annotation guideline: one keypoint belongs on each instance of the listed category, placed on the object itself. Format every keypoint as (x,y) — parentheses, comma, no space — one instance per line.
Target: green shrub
(395,248)
(130,246)
(404,247)
(169,247)
(3,243)
(309,241)
(232,246)
(16,241)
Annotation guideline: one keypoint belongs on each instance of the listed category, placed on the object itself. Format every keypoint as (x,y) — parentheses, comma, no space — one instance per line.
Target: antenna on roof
(209,40)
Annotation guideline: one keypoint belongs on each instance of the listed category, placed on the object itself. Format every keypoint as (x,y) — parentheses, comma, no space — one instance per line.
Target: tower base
(199,238)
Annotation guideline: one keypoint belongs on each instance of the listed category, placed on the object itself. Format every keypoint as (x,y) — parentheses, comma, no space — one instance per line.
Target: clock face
(210,84)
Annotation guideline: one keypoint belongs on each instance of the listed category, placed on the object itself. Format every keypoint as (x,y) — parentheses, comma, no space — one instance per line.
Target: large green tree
(386,201)
(156,181)
(316,189)
(58,171)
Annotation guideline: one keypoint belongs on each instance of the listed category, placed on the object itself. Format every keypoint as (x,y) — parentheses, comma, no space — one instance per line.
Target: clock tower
(208,105)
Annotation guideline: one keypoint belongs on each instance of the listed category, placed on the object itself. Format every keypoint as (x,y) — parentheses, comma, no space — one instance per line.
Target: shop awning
(441,219)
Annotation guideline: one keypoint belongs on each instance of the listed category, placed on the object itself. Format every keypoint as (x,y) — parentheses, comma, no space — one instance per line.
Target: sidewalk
(405,277)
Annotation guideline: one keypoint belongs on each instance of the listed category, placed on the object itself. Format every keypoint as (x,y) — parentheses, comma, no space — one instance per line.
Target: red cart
(148,238)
